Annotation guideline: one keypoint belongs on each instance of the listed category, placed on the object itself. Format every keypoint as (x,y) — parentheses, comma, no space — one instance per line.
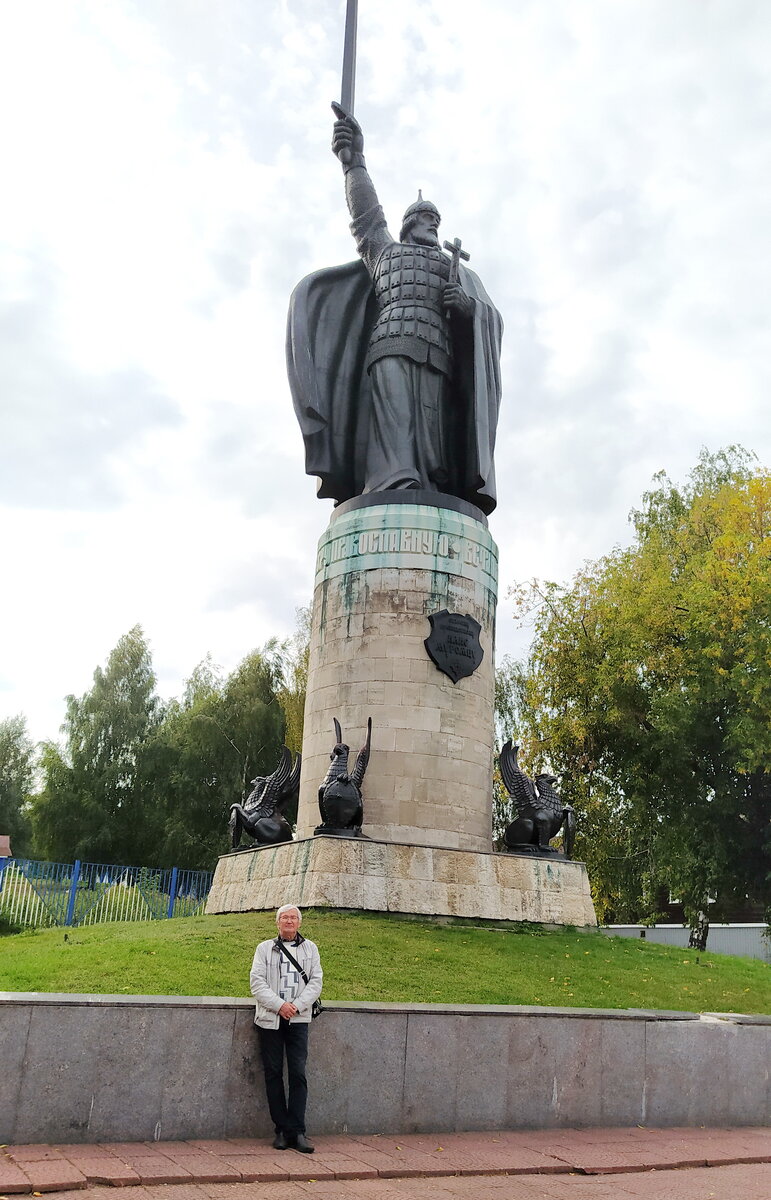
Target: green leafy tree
(210,746)
(508,684)
(292,665)
(648,692)
(96,802)
(17,755)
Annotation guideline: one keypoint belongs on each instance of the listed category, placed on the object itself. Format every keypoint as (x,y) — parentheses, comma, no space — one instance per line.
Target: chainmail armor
(409,282)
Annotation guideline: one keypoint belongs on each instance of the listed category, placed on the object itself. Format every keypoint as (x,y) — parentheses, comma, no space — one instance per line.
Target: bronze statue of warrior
(394,367)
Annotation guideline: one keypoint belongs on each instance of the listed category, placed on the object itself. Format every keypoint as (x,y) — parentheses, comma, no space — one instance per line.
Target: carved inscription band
(396,536)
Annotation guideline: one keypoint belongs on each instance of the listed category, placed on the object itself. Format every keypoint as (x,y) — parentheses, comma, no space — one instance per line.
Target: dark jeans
(291,1039)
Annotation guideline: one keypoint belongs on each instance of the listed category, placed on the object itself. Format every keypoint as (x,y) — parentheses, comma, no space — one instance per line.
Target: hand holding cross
(455,297)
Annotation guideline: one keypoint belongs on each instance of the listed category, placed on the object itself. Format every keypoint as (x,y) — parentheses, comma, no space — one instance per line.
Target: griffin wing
(291,785)
(275,782)
(362,758)
(516,782)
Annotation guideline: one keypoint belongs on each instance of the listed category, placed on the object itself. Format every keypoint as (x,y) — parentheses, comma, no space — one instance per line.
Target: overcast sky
(167,179)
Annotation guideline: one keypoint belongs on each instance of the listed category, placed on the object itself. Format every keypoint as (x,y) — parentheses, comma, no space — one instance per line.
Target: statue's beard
(419,238)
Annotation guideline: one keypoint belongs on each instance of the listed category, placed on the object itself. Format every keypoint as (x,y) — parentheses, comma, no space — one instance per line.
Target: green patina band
(408,537)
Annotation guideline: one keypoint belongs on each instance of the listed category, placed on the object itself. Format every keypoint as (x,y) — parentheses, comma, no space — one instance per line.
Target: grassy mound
(374,957)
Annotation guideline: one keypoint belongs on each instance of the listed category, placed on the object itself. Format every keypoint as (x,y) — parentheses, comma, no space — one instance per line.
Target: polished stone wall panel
(112,1068)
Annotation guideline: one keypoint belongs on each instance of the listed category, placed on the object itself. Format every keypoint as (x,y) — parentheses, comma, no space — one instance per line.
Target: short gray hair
(285,908)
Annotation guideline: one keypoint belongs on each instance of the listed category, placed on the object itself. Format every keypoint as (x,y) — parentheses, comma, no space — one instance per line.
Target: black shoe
(280,1141)
(302,1144)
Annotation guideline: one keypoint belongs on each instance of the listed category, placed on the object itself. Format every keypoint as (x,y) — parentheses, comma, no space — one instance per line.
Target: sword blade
(349,56)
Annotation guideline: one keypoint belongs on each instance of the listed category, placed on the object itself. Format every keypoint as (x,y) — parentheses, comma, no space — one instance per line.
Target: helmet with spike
(418,206)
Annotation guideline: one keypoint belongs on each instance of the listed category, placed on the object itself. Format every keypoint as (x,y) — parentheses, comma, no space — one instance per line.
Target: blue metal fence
(42,893)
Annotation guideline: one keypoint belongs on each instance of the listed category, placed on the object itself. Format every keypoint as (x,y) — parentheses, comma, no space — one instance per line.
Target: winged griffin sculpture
(261,814)
(540,812)
(340,799)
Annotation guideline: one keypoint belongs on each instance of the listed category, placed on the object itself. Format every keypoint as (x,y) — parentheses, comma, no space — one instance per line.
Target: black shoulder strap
(292,959)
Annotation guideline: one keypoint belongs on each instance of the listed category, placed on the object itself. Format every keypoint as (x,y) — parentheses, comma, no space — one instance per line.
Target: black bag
(318,1007)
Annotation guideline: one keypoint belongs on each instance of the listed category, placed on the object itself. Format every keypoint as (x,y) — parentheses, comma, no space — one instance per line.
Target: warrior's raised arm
(368,223)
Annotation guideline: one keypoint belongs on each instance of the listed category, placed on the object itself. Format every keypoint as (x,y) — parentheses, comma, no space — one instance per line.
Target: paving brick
(168,1149)
(720,1183)
(762,1134)
(34,1153)
(335,1145)
(215,1146)
(727,1160)
(105,1193)
(52,1175)
(205,1168)
(12,1178)
(343,1166)
(282,1161)
(214,1171)
(246,1164)
(581,1187)
(157,1170)
(188,1191)
(372,1158)
(106,1169)
(307,1168)
(237,1160)
(258,1170)
(272,1191)
(412,1158)
(505,1165)
(134,1152)
(140,1149)
(73,1150)
(241,1191)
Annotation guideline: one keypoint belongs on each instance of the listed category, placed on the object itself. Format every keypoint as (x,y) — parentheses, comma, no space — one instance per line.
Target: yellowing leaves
(648,690)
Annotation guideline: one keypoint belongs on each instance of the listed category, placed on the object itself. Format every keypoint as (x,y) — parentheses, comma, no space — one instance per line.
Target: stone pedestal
(382,569)
(329,872)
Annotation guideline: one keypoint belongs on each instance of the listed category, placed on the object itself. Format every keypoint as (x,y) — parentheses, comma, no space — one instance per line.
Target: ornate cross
(457,254)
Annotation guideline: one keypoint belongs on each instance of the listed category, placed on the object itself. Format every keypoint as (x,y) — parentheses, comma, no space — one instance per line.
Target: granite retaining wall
(133,1068)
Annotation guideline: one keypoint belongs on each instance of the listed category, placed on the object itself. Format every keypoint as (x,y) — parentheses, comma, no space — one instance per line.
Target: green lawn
(369,957)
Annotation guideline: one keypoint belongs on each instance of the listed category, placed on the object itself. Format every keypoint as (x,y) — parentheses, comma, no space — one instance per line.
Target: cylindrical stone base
(381,571)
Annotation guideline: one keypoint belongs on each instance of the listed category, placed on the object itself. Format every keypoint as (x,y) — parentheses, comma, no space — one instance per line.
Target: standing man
(284,1002)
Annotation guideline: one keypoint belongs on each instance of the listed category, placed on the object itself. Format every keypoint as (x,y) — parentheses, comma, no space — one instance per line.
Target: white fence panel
(750,940)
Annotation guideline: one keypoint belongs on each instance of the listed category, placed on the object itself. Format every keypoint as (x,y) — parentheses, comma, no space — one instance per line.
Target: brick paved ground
(652,1164)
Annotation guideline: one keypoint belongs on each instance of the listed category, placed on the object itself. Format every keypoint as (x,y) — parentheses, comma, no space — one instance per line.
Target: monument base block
(340,873)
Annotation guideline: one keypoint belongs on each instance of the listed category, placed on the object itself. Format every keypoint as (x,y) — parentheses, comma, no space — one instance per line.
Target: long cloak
(331,316)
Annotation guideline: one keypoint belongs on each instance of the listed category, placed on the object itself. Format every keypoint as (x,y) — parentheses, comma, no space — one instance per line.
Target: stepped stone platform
(332,872)
(403,634)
